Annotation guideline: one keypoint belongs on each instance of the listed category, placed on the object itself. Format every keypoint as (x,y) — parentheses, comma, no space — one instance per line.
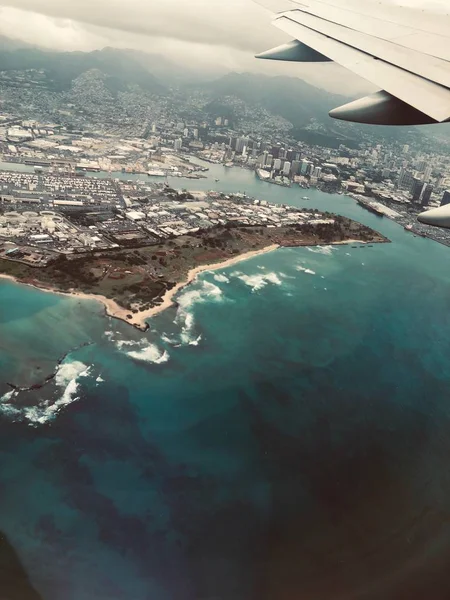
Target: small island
(139,259)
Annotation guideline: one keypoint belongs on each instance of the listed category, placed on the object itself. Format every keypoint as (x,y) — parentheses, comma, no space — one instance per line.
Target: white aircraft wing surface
(404,51)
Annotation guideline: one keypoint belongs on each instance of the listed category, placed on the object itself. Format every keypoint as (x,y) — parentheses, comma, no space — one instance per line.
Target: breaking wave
(67,378)
(10,411)
(221,278)
(144,351)
(187,322)
(8,396)
(327,250)
(305,270)
(259,280)
(122,343)
(150,354)
(168,340)
(206,292)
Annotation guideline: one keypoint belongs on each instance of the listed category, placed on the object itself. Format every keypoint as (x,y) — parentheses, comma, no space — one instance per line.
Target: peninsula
(136,261)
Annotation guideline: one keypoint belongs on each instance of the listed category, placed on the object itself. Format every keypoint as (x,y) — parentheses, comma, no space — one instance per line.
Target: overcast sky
(204,34)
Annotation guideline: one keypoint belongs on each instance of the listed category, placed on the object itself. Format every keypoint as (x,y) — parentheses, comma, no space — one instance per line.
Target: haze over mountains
(300,103)
(292,98)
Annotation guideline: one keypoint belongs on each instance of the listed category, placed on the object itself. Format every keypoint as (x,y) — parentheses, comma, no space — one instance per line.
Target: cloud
(210,35)
(64,33)
(237,24)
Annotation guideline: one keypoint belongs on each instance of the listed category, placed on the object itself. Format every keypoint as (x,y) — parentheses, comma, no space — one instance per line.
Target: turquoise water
(283,433)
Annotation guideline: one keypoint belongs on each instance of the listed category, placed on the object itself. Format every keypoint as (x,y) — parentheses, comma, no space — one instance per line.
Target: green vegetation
(138,278)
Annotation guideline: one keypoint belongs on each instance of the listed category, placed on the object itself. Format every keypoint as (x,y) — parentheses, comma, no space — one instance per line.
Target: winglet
(381,108)
(293,51)
(438,217)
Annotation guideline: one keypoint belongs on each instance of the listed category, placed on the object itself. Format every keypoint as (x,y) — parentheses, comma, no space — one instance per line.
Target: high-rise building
(406,149)
(416,189)
(445,198)
(275,151)
(304,166)
(261,162)
(178,145)
(427,173)
(426,194)
(269,161)
(316,172)
(290,155)
(295,167)
(241,143)
(286,168)
(277,164)
(405,179)
(186,132)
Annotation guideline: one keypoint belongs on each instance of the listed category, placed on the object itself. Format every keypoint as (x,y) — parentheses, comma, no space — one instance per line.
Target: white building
(286,168)
(134,215)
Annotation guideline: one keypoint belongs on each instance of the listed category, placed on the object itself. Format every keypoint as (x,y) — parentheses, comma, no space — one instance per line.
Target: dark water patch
(300,451)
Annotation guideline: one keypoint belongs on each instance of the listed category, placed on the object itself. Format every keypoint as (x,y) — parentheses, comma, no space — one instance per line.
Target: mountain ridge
(305,106)
(64,67)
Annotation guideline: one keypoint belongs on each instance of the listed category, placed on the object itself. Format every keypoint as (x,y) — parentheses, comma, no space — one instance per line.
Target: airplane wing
(404,51)
(437,217)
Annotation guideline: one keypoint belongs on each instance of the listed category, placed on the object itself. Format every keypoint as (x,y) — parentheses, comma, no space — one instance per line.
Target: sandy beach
(139,319)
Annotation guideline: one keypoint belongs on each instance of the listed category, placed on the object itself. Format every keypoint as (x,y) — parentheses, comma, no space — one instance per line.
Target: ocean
(282,433)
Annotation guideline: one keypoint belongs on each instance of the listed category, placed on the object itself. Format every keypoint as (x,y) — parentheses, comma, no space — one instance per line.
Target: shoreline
(139,319)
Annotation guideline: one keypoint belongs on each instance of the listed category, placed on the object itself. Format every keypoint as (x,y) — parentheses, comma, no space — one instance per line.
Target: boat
(305,198)
(217,180)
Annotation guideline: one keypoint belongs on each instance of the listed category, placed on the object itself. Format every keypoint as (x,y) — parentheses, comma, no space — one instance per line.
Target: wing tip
(381,108)
(294,51)
(436,217)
